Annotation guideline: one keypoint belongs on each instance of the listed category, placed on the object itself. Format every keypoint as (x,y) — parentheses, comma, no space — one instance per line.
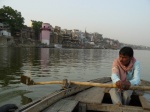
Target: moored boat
(79,98)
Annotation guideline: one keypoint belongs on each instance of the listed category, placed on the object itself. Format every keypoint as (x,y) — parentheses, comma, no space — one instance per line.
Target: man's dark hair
(126,51)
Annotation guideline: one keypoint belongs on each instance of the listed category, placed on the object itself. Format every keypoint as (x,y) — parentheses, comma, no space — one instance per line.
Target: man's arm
(114,78)
(136,75)
(115,72)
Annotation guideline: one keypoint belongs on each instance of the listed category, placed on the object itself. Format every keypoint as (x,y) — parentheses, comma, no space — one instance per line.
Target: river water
(44,64)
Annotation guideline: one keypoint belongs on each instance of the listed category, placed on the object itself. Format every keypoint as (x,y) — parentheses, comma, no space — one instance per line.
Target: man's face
(124,59)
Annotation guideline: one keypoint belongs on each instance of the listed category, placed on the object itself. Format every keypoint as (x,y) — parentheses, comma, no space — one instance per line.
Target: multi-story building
(5,36)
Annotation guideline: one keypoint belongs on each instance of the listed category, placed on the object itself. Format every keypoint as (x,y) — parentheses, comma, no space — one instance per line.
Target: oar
(28,81)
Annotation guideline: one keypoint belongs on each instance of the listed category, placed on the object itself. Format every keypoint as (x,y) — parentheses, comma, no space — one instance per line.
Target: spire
(85,33)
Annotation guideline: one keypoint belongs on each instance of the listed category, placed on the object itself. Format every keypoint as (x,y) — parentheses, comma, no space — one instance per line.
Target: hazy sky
(125,20)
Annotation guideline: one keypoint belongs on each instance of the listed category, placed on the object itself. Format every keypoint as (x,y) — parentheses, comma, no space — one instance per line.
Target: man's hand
(123,85)
(119,84)
(126,85)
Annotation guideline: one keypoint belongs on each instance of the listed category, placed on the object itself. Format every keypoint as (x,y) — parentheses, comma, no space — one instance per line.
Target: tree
(13,18)
(36,25)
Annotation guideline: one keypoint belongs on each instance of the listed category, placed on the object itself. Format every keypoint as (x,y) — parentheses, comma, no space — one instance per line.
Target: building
(45,33)
(5,36)
(4,30)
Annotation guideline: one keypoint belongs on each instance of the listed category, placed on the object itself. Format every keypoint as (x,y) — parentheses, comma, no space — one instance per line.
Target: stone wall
(6,41)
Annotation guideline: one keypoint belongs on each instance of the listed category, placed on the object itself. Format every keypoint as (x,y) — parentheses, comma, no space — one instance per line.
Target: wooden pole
(66,83)
(102,85)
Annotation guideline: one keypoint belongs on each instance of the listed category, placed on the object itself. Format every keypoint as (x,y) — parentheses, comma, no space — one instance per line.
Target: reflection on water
(44,59)
(44,64)
(25,100)
(10,64)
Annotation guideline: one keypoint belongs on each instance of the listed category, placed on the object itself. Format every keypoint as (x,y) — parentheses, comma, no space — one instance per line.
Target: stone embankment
(11,42)
(6,41)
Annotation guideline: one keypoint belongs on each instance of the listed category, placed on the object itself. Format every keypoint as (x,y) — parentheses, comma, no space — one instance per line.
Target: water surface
(44,64)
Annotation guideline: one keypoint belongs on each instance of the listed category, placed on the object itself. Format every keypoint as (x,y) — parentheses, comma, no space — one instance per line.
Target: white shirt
(133,75)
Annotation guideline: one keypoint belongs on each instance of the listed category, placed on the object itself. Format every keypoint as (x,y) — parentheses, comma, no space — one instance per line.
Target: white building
(4,30)
(5,36)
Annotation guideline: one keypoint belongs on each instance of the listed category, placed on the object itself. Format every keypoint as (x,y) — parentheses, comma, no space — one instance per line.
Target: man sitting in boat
(125,72)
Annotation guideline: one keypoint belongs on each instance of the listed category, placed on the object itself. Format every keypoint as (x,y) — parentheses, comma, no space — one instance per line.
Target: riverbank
(28,42)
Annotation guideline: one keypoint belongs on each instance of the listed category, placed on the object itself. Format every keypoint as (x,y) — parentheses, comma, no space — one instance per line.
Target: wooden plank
(106,90)
(69,106)
(82,107)
(53,107)
(114,108)
(62,106)
(52,99)
(145,103)
(92,95)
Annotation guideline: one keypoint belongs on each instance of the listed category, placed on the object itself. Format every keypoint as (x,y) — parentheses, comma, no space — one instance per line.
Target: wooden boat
(77,98)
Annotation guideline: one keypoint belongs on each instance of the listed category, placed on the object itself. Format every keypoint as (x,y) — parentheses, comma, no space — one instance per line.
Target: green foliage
(36,25)
(13,18)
